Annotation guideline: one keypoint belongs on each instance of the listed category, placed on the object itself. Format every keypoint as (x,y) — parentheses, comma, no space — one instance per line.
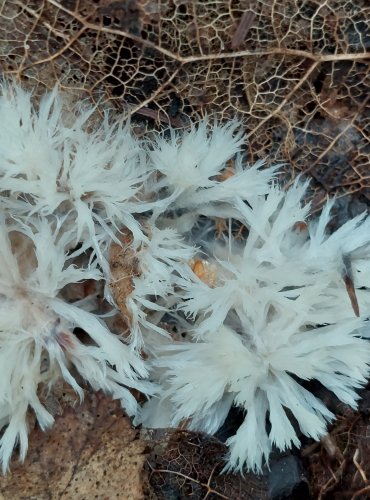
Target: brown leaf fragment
(188,464)
(350,287)
(92,451)
(205,271)
(352,294)
(123,266)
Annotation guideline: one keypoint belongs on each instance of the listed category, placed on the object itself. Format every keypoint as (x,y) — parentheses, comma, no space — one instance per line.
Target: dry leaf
(298,72)
(92,451)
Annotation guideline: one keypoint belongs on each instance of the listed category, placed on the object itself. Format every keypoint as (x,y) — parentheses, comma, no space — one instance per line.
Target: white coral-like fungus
(261,317)
(37,343)
(278,314)
(191,170)
(50,158)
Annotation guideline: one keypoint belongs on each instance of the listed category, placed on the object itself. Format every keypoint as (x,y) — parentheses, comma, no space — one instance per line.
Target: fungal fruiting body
(209,324)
